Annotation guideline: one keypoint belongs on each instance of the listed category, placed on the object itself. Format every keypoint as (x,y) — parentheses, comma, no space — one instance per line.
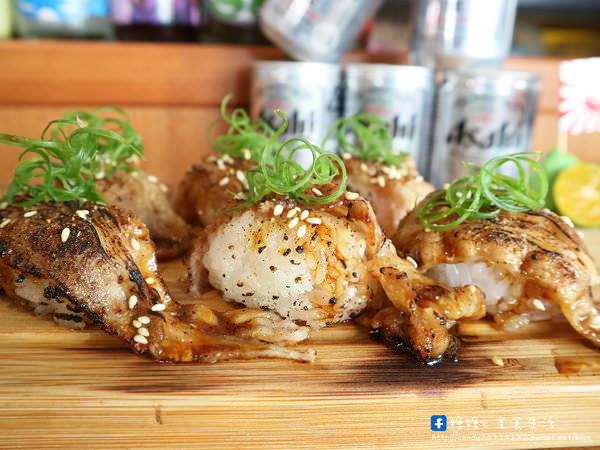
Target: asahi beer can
(481,115)
(401,95)
(307,93)
(315,30)
(462,34)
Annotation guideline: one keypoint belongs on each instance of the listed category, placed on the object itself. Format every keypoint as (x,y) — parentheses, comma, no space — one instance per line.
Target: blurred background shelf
(172,103)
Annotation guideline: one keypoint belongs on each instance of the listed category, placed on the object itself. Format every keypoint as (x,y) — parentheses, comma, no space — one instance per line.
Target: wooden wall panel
(172,92)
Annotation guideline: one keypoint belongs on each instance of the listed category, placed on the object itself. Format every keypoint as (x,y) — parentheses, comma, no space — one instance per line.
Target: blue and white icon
(438,423)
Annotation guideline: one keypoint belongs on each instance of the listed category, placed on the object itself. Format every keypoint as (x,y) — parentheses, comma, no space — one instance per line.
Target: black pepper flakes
(332,301)
(273,268)
(261,249)
(287,251)
(300,249)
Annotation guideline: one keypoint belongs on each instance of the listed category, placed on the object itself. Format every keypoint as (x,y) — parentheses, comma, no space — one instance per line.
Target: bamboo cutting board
(61,388)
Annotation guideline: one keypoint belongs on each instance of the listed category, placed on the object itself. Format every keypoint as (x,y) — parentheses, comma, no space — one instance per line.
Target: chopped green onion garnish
(245,138)
(63,166)
(280,174)
(115,155)
(486,192)
(367,138)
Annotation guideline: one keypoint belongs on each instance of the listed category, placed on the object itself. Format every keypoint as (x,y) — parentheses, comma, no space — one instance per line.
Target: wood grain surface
(61,388)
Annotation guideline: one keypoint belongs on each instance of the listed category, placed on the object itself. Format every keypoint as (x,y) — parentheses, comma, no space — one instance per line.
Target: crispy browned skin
(147,198)
(207,188)
(107,258)
(423,311)
(536,248)
(392,192)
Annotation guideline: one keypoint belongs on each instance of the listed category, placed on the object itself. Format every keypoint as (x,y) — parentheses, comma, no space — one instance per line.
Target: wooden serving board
(61,388)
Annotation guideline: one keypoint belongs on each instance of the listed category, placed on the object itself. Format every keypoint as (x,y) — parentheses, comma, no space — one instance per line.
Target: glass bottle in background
(5,19)
(156,20)
(80,19)
(233,22)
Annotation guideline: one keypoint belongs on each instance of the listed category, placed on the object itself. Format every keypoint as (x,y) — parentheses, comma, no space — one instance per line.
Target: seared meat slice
(423,311)
(147,198)
(531,265)
(392,191)
(208,187)
(100,261)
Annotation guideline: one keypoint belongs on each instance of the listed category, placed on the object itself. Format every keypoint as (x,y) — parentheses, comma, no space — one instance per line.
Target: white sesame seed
(364,167)
(152,178)
(446,186)
(224,181)
(241,177)
(412,261)
(381,181)
(211,158)
(150,280)
(64,236)
(538,304)
(304,215)
(498,361)
(136,323)
(568,221)
(314,220)
(159,307)
(100,175)
(419,178)
(277,210)
(246,153)
(291,213)
(132,301)
(30,214)
(143,332)
(346,156)
(580,234)
(351,195)
(144,320)
(220,164)
(164,188)
(3,205)
(83,213)
(301,231)
(292,223)
(140,339)
(4,223)
(135,244)
(317,191)
(228,159)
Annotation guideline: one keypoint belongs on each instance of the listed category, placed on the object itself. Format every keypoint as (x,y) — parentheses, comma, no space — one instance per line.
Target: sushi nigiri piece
(392,191)
(306,263)
(388,179)
(530,263)
(98,261)
(209,185)
(143,194)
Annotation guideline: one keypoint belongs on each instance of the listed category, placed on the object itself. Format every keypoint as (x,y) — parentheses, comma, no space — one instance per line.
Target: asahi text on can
(307,93)
(401,95)
(315,30)
(481,115)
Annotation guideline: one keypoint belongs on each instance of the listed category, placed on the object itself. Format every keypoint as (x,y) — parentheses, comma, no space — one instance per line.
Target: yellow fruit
(577,194)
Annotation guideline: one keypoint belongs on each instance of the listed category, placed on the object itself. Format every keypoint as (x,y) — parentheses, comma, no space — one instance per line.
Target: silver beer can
(307,93)
(462,34)
(315,30)
(401,95)
(481,115)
